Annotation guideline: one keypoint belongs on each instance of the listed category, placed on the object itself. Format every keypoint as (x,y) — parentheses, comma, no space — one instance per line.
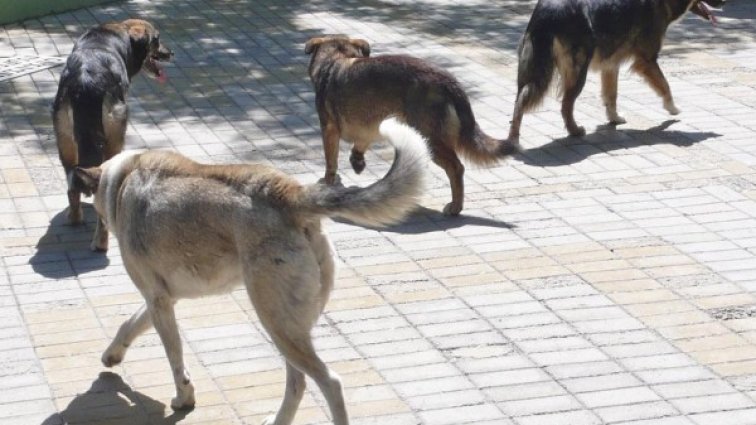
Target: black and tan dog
(90,112)
(355,92)
(575,35)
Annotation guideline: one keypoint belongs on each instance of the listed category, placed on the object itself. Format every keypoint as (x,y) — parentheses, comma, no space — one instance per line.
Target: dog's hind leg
(69,157)
(446,158)
(114,118)
(573,67)
(295,387)
(331,138)
(129,330)
(609,79)
(649,69)
(287,293)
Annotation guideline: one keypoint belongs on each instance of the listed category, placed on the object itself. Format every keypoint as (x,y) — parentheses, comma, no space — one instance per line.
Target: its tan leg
(295,387)
(289,302)
(75,214)
(447,159)
(331,137)
(164,318)
(650,70)
(129,330)
(609,79)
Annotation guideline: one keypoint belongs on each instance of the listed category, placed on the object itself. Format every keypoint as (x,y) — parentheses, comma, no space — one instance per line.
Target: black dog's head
(703,8)
(146,49)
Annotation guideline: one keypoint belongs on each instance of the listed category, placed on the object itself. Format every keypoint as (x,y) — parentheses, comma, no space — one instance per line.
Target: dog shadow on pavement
(110,400)
(571,150)
(63,251)
(423,219)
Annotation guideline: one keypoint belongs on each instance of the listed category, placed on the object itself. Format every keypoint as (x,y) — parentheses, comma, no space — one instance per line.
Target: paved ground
(603,280)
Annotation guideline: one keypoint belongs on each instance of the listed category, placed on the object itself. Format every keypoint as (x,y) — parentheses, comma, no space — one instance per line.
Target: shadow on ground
(110,400)
(423,220)
(63,251)
(570,150)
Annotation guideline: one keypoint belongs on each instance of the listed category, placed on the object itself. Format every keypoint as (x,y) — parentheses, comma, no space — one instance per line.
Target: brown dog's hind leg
(447,159)
(331,137)
(609,79)
(75,214)
(654,76)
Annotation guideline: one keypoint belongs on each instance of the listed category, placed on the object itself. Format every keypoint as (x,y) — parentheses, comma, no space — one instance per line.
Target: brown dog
(575,35)
(355,92)
(90,112)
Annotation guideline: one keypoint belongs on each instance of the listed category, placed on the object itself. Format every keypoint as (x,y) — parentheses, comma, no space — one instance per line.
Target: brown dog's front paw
(99,245)
(358,162)
(452,209)
(331,180)
(577,131)
(75,216)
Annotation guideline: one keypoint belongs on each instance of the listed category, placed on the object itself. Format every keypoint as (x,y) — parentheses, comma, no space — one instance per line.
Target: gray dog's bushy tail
(389,199)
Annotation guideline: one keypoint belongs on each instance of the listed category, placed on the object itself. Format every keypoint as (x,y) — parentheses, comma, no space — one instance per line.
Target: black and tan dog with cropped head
(90,112)
(354,92)
(572,36)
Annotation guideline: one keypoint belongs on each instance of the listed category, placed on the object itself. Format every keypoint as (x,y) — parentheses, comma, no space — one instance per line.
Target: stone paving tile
(608,279)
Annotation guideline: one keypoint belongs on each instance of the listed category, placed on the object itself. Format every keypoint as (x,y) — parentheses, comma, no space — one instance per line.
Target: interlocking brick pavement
(603,280)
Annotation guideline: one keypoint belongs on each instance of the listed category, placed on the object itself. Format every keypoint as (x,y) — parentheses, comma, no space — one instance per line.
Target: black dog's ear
(313,43)
(361,44)
(87,180)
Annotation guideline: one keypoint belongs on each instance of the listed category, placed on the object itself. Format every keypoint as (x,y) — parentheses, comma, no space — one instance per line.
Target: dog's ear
(361,44)
(87,180)
(313,43)
(137,30)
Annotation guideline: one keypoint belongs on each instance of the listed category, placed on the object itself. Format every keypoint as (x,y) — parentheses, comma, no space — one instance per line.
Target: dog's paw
(99,246)
(113,356)
(334,180)
(577,131)
(617,120)
(185,399)
(451,209)
(358,163)
(671,108)
(270,420)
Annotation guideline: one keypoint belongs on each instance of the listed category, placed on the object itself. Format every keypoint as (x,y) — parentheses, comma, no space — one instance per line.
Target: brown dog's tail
(474,144)
(389,199)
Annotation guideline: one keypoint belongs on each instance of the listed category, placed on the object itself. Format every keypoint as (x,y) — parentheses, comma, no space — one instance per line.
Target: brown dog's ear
(361,44)
(136,29)
(313,43)
(87,179)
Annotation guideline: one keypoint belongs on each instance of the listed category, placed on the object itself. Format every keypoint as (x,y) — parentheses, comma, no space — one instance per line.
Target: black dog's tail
(474,144)
(536,67)
(88,128)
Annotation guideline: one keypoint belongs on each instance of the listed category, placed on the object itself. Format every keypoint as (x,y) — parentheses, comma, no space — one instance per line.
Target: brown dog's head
(338,45)
(331,47)
(146,50)
(703,8)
